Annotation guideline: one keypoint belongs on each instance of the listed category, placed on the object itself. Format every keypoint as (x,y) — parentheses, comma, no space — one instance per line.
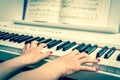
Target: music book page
(43,10)
(79,12)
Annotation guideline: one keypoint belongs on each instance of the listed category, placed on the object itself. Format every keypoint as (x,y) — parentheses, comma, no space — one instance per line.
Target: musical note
(85,12)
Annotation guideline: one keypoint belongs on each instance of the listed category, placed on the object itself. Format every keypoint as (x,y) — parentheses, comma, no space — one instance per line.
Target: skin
(30,55)
(52,70)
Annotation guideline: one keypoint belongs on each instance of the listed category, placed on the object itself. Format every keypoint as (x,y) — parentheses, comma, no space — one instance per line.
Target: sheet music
(80,12)
(85,12)
(43,10)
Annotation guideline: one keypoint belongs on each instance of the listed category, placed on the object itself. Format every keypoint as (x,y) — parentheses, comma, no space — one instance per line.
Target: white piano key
(111,69)
(114,63)
(117,71)
(104,54)
(103,64)
(117,67)
(12,44)
(107,65)
(93,54)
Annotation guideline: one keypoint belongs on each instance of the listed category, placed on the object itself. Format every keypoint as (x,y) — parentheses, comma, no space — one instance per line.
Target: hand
(32,53)
(73,61)
(59,67)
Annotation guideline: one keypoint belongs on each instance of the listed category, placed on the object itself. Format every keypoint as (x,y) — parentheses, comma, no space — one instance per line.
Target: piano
(61,42)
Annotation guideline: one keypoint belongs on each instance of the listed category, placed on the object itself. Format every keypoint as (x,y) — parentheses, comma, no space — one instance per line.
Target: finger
(88,68)
(24,48)
(88,60)
(82,55)
(74,52)
(46,54)
(34,44)
(28,46)
(41,46)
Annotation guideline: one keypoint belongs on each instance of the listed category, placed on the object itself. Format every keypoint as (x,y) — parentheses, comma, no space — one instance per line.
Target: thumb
(46,54)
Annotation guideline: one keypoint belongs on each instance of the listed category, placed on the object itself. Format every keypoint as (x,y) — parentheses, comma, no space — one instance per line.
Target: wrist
(58,67)
(21,60)
(52,69)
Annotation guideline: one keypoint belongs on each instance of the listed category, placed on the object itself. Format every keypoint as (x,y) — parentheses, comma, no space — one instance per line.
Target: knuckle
(84,68)
(76,51)
(87,59)
(27,44)
(35,41)
(42,44)
(85,54)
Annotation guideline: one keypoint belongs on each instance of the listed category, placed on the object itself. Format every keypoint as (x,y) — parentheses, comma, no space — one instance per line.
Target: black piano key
(40,39)
(18,38)
(45,41)
(1,37)
(65,48)
(54,43)
(102,51)
(79,46)
(9,36)
(21,38)
(118,58)
(87,49)
(24,39)
(110,52)
(84,48)
(91,49)
(31,39)
(2,33)
(5,33)
(14,37)
(62,45)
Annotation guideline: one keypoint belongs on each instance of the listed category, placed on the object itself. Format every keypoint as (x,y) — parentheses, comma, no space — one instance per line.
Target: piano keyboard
(11,44)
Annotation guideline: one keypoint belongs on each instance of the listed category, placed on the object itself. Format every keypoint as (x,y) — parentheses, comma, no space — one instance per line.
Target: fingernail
(97,69)
(25,44)
(98,60)
(45,46)
(51,52)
